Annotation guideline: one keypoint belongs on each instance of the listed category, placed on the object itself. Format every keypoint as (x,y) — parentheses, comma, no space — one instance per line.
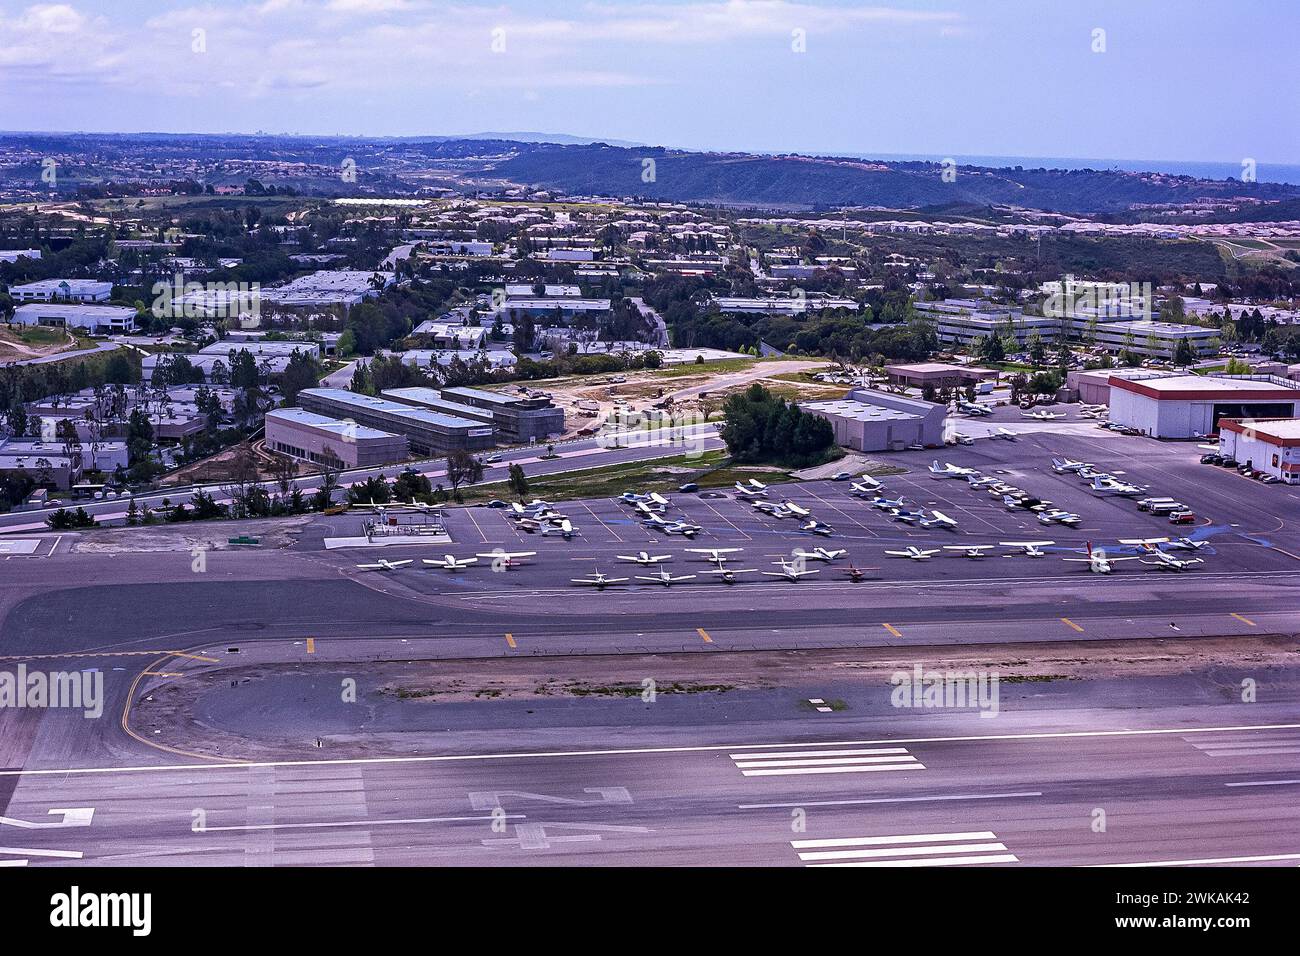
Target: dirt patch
(272,533)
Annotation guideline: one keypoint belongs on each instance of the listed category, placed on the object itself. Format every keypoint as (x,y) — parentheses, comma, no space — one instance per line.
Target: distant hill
(562,139)
(813,182)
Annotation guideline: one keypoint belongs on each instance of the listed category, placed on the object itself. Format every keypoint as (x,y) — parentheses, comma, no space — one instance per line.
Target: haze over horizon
(914,78)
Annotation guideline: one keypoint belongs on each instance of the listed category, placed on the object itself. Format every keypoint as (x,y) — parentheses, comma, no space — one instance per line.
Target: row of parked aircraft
(650,509)
(1012,496)
(1101,482)
(449,562)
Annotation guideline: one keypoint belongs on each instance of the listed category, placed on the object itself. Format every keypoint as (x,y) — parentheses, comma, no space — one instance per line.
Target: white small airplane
(949,470)
(564,529)
(1098,562)
(633,497)
(820,554)
(664,578)
(1030,549)
(507,559)
(865,487)
(886,504)
(1063,465)
(938,519)
(451,563)
(385,565)
(598,580)
(648,508)
(968,550)
(756,484)
(1186,544)
(682,528)
(716,556)
(372,504)
(1056,516)
(1168,562)
(913,552)
(982,481)
(816,527)
(791,570)
(970,408)
(1112,486)
(905,516)
(749,494)
(794,509)
(1042,415)
(728,575)
(644,559)
(1004,433)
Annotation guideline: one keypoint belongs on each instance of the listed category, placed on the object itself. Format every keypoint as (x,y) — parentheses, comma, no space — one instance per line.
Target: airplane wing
(898,554)
(369,567)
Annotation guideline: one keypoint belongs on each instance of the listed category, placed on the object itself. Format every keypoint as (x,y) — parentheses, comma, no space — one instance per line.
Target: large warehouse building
(1190,406)
(429,432)
(1272,447)
(95,319)
(328,441)
(868,420)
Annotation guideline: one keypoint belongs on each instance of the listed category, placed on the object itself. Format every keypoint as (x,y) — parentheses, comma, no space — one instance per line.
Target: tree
(462,468)
(1184,354)
(517,481)
(760,426)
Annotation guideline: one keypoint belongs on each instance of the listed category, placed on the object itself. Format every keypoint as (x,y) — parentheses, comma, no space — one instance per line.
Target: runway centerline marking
(1243,620)
(1069,623)
(892,630)
(637,751)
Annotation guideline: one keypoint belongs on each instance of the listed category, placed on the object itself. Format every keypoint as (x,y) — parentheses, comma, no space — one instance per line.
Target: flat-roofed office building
(321,440)
(427,431)
(518,419)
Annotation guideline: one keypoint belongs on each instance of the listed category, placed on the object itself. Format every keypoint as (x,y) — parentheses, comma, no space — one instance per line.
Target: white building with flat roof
(62,290)
(1272,447)
(329,287)
(94,319)
(1191,406)
(337,443)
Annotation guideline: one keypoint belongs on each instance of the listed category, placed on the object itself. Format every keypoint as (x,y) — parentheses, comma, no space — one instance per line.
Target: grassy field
(711,469)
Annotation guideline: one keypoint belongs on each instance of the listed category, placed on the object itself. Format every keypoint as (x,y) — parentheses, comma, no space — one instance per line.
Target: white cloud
(403,47)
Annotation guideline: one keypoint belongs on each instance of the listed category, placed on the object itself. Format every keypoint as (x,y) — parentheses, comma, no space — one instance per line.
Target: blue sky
(1178,79)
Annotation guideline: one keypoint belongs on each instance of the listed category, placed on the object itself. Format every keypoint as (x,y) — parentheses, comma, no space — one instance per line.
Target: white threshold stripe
(937,861)
(1221,744)
(61,854)
(1206,862)
(820,753)
(886,840)
(824,761)
(1252,752)
(952,796)
(634,751)
(13,862)
(893,851)
(1264,783)
(794,771)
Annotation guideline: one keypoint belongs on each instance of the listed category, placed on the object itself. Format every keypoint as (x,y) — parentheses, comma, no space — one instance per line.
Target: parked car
(497,503)
(689,487)
(1269,479)
(1211,459)
(493,458)
(841,476)
(1228,462)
